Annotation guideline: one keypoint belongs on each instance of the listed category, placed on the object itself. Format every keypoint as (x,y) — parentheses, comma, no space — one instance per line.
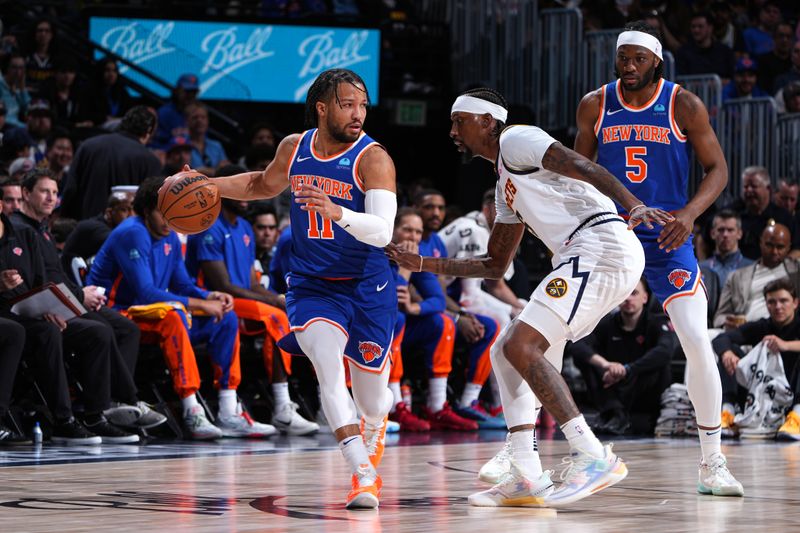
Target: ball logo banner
(237,61)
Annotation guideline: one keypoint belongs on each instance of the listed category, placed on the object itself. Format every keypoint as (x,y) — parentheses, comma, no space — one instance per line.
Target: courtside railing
(747,134)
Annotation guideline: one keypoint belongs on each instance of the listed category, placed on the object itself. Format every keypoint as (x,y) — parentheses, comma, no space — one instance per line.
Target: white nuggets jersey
(551,205)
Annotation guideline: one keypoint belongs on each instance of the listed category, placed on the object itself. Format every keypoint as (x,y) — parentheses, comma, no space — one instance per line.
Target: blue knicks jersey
(320,247)
(643,146)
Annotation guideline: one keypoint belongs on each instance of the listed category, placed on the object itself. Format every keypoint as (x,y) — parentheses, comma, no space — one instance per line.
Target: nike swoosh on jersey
(381,287)
(301,159)
(608,113)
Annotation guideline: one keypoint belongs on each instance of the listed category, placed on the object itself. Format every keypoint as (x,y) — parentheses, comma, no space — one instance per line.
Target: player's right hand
(647,216)
(407,260)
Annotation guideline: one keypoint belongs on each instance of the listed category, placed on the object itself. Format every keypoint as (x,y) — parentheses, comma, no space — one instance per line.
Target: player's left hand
(407,260)
(313,199)
(647,216)
(224,298)
(774,344)
(676,232)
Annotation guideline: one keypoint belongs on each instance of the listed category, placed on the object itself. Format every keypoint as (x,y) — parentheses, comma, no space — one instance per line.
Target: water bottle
(37,433)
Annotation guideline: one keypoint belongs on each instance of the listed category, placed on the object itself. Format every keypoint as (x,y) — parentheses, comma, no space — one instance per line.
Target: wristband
(634,208)
(420,263)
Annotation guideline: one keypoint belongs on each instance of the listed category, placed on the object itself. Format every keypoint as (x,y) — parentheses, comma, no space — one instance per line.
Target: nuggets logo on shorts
(556,288)
(679,277)
(370,351)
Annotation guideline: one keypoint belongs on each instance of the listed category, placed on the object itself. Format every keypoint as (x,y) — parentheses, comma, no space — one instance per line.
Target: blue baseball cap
(188,82)
(743,64)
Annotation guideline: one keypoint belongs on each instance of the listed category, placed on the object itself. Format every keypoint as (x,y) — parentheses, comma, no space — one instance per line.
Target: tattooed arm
(503,243)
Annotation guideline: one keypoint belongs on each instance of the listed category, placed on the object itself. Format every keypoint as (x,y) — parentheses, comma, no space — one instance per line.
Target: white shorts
(594,272)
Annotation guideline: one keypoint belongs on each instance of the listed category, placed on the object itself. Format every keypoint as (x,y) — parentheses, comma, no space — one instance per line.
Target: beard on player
(344,134)
(632,82)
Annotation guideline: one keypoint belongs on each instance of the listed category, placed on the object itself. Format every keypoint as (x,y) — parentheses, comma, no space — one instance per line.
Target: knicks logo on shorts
(556,288)
(679,277)
(370,351)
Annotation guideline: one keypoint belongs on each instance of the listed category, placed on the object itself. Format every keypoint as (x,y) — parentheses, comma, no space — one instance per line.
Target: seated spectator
(786,195)
(68,99)
(703,54)
(12,195)
(756,210)
(102,162)
(745,81)
(13,90)
(264,221)
(725,31)
(791,97)
(172,115)
(279,264)
(40,63)
(258,157)
(221,259)
(59,154)
(758,39)
(39,191)
(178,154)
(90,234)
(61,228)
(778,60)
(792,74)
(741,299)
(141,268)
(40,126)
(17,144)
(626,363)
(207,154)
(726,231)
(110,98)
(18,168)
(781,333)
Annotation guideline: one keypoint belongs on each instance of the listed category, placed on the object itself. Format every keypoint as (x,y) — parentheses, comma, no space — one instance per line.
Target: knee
(518,352)
(229,322)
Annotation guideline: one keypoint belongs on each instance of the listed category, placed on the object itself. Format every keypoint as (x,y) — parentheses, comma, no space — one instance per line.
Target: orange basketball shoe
(366,490)
(374,439)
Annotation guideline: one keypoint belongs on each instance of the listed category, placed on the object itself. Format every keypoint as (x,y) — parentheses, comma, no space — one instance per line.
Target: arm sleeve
(523,147)
(428,287)
(374,226)
(132,254)
(661,340)
(504,213)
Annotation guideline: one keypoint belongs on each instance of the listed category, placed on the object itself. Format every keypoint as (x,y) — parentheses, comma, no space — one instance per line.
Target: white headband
(640,38)
(479,106)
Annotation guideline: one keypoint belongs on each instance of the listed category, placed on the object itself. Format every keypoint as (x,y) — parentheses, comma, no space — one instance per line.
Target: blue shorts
(669,274)
(365,309)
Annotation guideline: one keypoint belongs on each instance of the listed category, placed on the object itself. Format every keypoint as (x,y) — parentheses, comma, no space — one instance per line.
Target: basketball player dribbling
(341,297)
(561,197)
(638,126)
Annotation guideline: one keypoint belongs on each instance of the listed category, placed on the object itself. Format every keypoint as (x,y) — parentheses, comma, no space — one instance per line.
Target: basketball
(189,201)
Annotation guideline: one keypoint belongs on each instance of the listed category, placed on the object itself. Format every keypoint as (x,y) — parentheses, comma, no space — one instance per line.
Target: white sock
(580,436)
(728,407)
(227,402)
(280,393)
(355,453)
(397,393)
(710,442)
(188,403)
(523,446)
(796,409)
(437,394)
(470,394)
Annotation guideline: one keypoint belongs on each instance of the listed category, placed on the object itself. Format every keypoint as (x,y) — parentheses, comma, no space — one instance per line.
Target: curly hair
(325,86)
(146,199)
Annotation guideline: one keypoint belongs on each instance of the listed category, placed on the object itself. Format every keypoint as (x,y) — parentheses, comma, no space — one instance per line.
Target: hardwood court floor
(299,485)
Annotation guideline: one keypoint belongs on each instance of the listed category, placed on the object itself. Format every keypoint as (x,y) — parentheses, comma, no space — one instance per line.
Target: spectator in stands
(791,97)
(703,54)
(725,31)
(172,115)
(793,73)
(40,126)
(786,195)
(59,154)
(221,259)
(207,154)
(745,81)
(13,90)
(265,229)
(262,134)
(758,39)
(781,331)
(258,157)
(104,161)
(60,230)
(141,267)
(626,363)
(110,98)
(90,234)
(68,100)
(12,196)
(178,154)
(778,60)
(279,264)
(40,63)
(19,167)
(756,210)
(741,299)
(5,127)
(726,231)
(38,201)
(17,144)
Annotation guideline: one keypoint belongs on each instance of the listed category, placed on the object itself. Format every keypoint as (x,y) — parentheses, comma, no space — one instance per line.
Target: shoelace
(506,452)
(575,465)
(372,436)
(365,475)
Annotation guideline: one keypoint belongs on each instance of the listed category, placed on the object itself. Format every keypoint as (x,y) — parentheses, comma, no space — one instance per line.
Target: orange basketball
(189,201)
